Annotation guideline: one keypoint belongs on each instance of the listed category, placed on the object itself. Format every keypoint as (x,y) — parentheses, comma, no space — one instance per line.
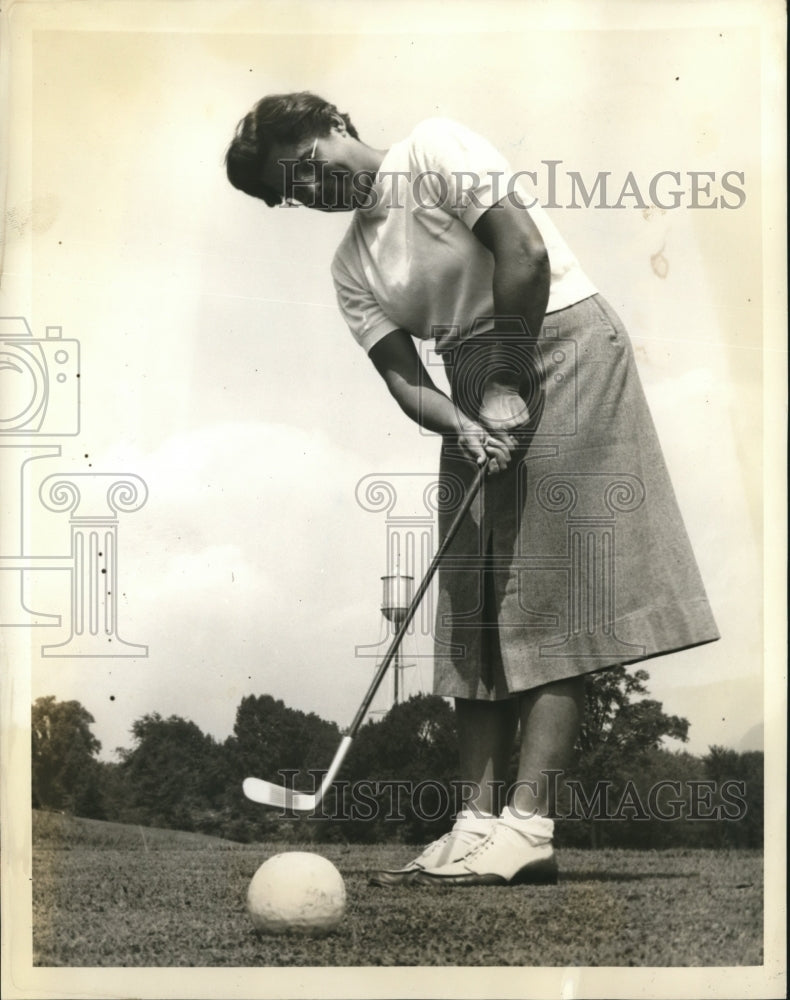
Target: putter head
(280,797)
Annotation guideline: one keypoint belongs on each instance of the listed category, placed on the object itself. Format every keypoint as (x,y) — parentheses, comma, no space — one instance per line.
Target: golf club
(269,794)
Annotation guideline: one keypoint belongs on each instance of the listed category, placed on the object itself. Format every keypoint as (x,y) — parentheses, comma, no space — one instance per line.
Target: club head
(278,796)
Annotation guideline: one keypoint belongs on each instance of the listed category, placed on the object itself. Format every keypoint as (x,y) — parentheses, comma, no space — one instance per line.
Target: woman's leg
(486,730)
(550,719)
(518,848)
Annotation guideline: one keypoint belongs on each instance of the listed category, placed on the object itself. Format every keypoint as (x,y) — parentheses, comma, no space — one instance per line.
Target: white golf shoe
(469,830)
(514,853)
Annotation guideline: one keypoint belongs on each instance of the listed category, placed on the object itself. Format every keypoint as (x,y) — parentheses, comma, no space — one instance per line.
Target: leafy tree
(617,727)
(277,743)
(64,765)
(171,774)
(270,738)
(114,792)
(620,729)
(416,742)
(661,783)
(731,773)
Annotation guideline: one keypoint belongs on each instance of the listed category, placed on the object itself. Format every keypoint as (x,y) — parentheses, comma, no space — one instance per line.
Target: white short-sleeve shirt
(409,259)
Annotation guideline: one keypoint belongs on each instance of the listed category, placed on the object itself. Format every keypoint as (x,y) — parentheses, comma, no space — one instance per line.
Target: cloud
(251,569)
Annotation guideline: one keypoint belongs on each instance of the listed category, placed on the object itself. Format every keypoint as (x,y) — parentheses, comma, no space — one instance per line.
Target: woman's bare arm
(521,263)
(520,289)
(397,361)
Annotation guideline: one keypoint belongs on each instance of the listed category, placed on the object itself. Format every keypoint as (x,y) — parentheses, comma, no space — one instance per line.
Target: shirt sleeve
(459,171)
(366,320)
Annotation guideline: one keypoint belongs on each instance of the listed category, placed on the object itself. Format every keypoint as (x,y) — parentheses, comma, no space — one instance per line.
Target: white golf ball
(296,891)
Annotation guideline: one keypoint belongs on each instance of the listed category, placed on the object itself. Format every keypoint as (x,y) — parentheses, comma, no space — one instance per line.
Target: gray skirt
(575,558)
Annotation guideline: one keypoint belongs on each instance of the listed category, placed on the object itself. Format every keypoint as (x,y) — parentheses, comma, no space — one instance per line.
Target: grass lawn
(109,895)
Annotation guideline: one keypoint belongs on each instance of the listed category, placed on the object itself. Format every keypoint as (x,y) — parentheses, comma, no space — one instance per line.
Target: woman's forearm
(433,410)
(426,405)
(399,364)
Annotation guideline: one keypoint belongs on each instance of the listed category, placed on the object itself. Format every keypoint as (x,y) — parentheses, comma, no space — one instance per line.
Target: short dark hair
(276,118)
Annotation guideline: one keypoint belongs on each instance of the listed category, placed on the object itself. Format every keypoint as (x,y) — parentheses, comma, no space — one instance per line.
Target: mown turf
(154,899)
(58,830)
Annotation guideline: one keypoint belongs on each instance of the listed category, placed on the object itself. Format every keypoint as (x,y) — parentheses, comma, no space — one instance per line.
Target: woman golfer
(574,557)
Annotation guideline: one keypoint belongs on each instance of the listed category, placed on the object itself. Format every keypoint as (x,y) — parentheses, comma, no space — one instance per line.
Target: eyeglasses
(305,171)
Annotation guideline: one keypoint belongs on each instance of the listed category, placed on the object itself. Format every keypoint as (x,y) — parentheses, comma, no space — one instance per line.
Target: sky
(216,367)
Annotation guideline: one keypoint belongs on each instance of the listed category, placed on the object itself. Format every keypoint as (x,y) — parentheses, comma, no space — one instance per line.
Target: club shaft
(472,492)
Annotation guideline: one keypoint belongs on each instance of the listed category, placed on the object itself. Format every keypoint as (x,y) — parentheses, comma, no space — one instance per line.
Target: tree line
(400,780)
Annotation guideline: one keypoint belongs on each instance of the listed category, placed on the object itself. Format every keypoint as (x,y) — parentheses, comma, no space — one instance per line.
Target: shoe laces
(481,848)
(500,830)
(468,838)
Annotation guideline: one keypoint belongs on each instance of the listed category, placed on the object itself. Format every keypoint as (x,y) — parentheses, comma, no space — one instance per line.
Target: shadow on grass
(572,876)
(597,876)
